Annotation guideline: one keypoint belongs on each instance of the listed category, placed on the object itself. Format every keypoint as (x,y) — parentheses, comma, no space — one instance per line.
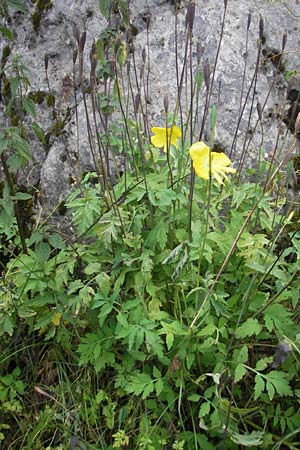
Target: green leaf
(121,318)
(158,236)
(270,390)
(238,197)
(29,106)
(147,263)
(263,363)
(25,312)
(165,198)
(140,383)
(20,144)
(249,328)
(39,132)
(169,340)
(278,317)
(6,325)
(281,385)
(17,5)
(7,33)
(156,372)
(43,252)
(239,372)
(259,386)
(105,311)
(104,6)
(241,355)
(247,440)
(204,409)
(123,8)
(153,342)
(159,386)
(21,196)
(194,398)
(56,241)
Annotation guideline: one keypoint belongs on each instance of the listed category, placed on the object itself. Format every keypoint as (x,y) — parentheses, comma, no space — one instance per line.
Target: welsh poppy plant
(165,136)
(199,152)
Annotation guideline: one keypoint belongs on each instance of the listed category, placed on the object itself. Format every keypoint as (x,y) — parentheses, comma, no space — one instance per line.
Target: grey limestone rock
(69,152)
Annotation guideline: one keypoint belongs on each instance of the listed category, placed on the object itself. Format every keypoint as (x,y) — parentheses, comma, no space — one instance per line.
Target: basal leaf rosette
(200,154)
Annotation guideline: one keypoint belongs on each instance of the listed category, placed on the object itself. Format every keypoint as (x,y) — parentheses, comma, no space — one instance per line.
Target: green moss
(6,88)
(15,120)
(40,7)
(296,164)
(58,127)
(50,100)
(295,223)
(37,97)
(5,54)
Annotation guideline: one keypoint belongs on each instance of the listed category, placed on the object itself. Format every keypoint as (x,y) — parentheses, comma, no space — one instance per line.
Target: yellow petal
(220,160)
(200,154)
(199,150)
(158,130)
(176,131)
(165,136)
(201,171)
(158,141)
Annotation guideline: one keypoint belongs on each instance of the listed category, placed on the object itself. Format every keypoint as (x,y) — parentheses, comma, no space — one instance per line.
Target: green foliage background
(169,318)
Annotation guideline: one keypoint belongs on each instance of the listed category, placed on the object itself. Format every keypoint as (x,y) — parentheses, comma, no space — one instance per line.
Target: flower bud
(166,103)
(82,41)
(206,74)
(261,30)
(284,39)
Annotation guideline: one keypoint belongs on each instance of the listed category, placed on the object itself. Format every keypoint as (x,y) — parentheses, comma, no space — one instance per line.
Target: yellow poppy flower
(165,136)
(199,152)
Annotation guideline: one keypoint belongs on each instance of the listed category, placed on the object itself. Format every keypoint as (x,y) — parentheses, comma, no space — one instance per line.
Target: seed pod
(76,34)
(190,16)
(112,67)
(148,20)
(128,67)
(261,30)
(206,74)
(93,59)
(142,69)
(46,60)
(137,102)
(166,103)
(284,39)
(199,51)
(249,21)
(75,53)
(259,111)
(82,41)
(93,51)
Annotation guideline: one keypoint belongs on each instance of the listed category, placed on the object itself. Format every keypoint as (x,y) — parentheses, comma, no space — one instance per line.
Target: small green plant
(167,318)
(11,398)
